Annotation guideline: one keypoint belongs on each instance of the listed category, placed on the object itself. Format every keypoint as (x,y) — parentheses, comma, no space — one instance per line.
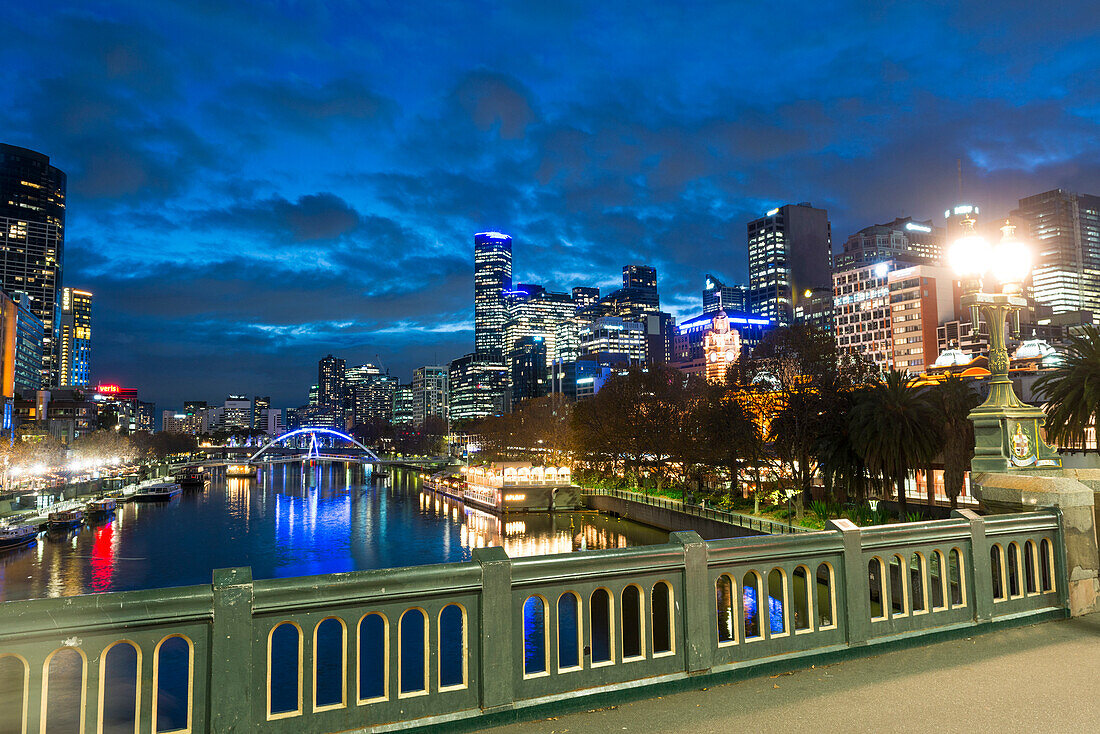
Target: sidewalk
(1044,677)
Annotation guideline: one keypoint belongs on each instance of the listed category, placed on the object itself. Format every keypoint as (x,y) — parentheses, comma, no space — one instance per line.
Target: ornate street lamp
(1006,429)
(790,493)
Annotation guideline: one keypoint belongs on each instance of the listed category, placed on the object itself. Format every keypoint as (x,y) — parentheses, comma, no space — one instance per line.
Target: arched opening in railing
(661,618)
(569,632)
(412,657)
(329,664)
(452,647)
(724,594)
(119,687)
(534,636)
(284,670)
(14,681)
(173,667)
(601,640)
(374,655)
(64,694)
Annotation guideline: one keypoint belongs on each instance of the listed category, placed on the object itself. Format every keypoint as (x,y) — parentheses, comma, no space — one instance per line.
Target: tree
(838,458)
(953,400)
(1072,392)
(731,436)
(894,428)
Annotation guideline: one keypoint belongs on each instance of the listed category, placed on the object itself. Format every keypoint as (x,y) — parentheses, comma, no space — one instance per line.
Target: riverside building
(32,240)
(790,252)
(492,278)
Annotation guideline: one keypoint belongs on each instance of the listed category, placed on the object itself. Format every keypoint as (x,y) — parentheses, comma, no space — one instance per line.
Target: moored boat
(101,507)
(16,536)
(66,518)
(240,470)
(157,492)
(190,478)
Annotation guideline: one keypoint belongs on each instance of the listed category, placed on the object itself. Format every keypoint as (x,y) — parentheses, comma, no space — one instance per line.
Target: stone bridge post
(1069,492)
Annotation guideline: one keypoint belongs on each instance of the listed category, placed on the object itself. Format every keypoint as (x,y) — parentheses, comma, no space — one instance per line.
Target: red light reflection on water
(103,557)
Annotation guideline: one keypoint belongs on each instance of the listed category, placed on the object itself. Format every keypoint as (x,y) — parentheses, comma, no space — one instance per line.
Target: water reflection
(292,520)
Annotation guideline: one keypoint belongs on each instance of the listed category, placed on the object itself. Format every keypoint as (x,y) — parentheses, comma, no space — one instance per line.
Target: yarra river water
(290,522)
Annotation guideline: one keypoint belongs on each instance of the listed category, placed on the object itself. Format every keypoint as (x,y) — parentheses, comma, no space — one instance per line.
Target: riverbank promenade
(1042,677)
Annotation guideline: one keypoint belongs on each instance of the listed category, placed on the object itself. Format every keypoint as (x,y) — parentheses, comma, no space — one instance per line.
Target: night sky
(254,185)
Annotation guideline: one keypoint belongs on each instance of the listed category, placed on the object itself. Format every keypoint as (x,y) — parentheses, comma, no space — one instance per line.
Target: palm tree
(1072,392)
(893,427)
(953,400)
(836,455)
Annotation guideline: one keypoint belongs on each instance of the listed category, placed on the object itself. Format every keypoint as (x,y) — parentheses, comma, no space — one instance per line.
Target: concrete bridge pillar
(1070,493)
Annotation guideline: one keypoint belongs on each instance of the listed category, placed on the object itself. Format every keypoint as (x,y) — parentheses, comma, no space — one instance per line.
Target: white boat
(157,492)
(101,506)
(16,536)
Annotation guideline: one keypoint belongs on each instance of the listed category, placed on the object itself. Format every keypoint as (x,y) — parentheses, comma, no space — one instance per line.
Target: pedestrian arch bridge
(326,444)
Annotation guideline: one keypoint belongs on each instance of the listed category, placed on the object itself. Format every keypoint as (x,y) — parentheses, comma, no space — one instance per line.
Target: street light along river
(325,519)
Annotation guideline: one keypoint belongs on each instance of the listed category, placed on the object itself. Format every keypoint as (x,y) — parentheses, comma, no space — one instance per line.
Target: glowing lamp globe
(1011,258)
(970,256)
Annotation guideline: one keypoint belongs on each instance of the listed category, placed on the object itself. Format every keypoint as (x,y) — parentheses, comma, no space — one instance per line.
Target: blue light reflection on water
(775,609)
(291,523)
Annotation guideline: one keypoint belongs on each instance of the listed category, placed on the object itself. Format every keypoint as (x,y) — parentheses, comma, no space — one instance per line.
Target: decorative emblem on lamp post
(1006,429)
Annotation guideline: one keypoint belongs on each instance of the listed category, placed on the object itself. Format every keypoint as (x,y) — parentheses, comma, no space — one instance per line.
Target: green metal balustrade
(406,647)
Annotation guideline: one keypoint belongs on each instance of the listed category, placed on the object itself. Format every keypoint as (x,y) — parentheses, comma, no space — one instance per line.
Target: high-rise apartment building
(260,404)
(331,384)
(32,239)
(238,413)
(28,342)
(1063,229)
(492,278)
(904,240)
(640,276)
(405,408)
(717,296)
(790,252)
(477,388)
(370,394)
(610,340)
(430,392)
(529,369)
(541,315)
(74,338)
(922,297)
(585,296)
(861,312)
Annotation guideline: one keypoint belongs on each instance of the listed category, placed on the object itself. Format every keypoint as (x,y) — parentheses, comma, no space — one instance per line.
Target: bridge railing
(396,648)
(760,524)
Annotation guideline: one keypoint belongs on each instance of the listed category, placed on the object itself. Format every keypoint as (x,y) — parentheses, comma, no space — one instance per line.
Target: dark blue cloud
(255,185)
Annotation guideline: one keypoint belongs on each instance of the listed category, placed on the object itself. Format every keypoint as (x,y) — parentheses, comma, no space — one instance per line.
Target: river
(291,522)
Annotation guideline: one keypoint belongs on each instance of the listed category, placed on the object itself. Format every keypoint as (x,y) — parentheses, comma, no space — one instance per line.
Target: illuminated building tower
(717,296)
(237,413)
(529,370)
(542,315)
(584,296)
(922,298)
(74,338)
(492,278)
(612,341)
(721,348)
(260,406)
(370,394)
(28,345)
(404,406)
(477,388)
(32,239)
(790,252)
(331,384)
(861,313)
(430,392)
(904,240)
(640,276)
(956,215)
(1064,229)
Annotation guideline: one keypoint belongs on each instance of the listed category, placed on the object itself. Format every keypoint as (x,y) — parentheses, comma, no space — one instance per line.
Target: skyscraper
(260,406)
(585,296)
(717,296)
(32,239)
(370,394)
(430,392)
(492,277)
(1064,229)
(331,384)
(529,371)
(477,388)
(541,315)
(74,338)
(640,276)
(790,252)
(904,240)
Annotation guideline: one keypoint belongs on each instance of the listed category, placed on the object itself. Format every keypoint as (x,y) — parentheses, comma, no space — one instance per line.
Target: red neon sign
(108,389)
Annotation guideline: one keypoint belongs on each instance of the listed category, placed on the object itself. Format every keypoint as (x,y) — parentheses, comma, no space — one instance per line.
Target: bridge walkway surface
(1043,677)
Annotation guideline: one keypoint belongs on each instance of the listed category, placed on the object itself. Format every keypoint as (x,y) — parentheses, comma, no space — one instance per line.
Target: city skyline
(321,199)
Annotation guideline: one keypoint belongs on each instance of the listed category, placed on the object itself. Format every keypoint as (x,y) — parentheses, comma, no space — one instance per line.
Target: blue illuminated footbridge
(319,444)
